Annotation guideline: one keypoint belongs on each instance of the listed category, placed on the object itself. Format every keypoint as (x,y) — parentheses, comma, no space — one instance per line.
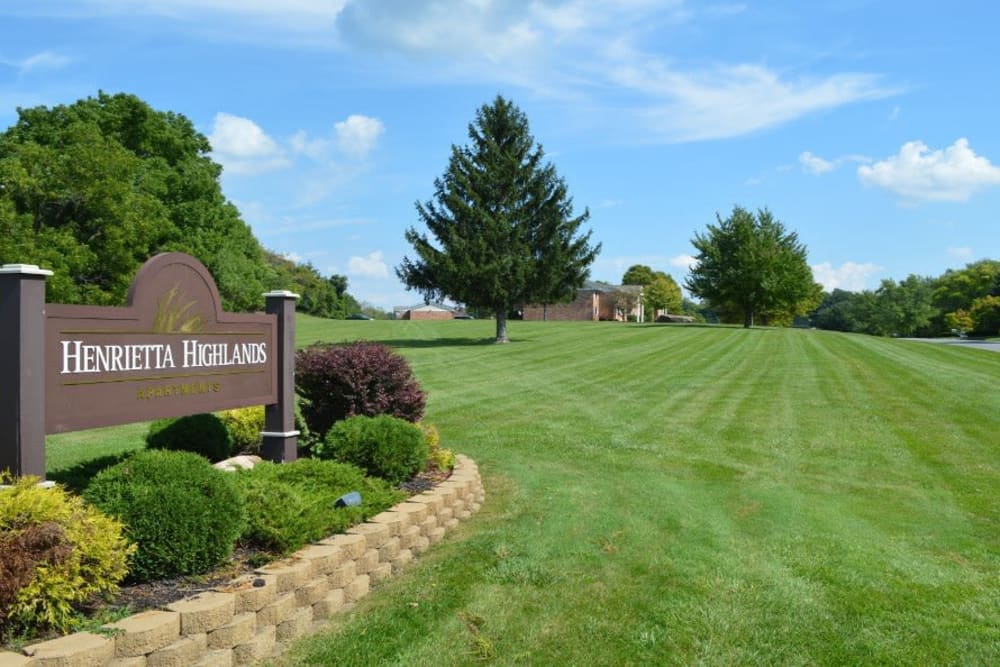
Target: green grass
(675,495)
(678,495)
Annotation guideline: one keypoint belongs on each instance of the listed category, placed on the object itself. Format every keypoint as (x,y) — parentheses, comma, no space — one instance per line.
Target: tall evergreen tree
(750,265)
(502,222)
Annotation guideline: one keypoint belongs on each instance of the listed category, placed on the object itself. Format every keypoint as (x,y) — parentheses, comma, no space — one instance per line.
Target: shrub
(294,502)
(384,446)
(244,426)
(183,514)
(204,434)
(362,378)
(438,458)
(56,553)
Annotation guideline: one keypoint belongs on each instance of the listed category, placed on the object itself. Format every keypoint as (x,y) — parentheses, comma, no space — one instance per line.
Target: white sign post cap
(26,269)
(282,293)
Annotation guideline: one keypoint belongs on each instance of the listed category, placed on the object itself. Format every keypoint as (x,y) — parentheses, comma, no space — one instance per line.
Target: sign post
(22,365)
(280,439)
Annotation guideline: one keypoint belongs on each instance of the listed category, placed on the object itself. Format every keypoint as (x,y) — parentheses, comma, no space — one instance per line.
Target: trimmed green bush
(204,434)
(362,378)
(383,446)
(183,514)
(293,503)
(56,553)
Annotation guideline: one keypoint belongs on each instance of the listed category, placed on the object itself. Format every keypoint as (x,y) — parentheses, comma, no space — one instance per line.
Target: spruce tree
(502,223)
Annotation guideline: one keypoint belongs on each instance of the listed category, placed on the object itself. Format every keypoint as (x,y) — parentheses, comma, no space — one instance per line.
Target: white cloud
(243,147)
(371,266)
(960,252)
(815,164)
(686,262)
(848,276)
(358,135)
(918,173)
(894,114)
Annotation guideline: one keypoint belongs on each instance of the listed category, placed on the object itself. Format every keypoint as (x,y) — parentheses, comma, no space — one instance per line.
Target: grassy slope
(683,494)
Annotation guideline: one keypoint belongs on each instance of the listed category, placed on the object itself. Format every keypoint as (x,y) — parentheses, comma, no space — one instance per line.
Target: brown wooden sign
(170,351)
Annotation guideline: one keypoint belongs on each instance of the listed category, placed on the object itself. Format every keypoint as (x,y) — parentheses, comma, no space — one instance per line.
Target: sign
(170,351)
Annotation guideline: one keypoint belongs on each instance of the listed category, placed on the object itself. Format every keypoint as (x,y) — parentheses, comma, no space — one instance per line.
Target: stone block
(389,550)
(358,588)
(444,515)
(204,612)
(475,507)
(218,658)
(343,575)
(420,545)
(436,535)
(276,612)
(83,649)
(253,592)
(416,511)
(290,573)
(450,523)
(463,515)
(428,524)
(184,652)
(402,559)
(296,625)
(365,564)
(144,633)
(329,605)
(258,649)
(394,521)
(446,494)
(324,558)
(408,537)
(240,631)
(380,572)
(375,533)
(354,546)
(434,502)
(8,659)
(312,592)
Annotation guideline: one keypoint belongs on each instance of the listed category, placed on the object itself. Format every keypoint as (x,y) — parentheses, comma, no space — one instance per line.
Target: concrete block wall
(250,618)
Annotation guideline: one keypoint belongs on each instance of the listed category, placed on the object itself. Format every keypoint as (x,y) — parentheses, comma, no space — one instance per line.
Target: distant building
(424,311)
(594,301)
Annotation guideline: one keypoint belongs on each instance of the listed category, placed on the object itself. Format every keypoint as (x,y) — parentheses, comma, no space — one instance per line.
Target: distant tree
(93,189)
(904,308)
(662,293)
(837,312)
(323,297)
(957,289)
(985,315)
(502,223)
(750,265)
(637,274)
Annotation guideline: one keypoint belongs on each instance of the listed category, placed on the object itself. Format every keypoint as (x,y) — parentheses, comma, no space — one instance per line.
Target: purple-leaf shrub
(361,378)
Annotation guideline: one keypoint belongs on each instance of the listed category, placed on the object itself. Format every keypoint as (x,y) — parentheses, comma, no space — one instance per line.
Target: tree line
(93,189)
(965,301)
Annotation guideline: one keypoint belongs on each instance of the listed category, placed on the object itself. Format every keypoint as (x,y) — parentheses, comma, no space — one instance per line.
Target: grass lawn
(682,494)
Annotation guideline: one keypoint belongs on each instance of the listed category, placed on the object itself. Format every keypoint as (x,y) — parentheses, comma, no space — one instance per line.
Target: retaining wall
(250,618)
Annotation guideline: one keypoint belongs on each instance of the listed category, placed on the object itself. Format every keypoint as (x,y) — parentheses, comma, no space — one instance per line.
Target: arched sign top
(174,293)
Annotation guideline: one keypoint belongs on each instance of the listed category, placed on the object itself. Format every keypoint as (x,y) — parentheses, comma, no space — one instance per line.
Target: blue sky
(870,128)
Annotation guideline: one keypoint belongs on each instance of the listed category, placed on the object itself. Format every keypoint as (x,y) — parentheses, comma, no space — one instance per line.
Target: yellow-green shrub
(244,426)
(438,458)
(84,555)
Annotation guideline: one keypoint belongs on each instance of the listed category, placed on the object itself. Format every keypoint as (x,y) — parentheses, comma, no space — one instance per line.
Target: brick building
(594,301)
(428,311)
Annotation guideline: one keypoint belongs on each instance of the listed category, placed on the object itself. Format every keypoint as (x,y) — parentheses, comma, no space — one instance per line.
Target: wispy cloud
(814,164)
(587,50)
(960,252)
(920,174)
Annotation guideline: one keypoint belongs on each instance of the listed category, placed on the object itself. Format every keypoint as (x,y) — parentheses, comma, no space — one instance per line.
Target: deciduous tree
(502,223)
(749,264)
